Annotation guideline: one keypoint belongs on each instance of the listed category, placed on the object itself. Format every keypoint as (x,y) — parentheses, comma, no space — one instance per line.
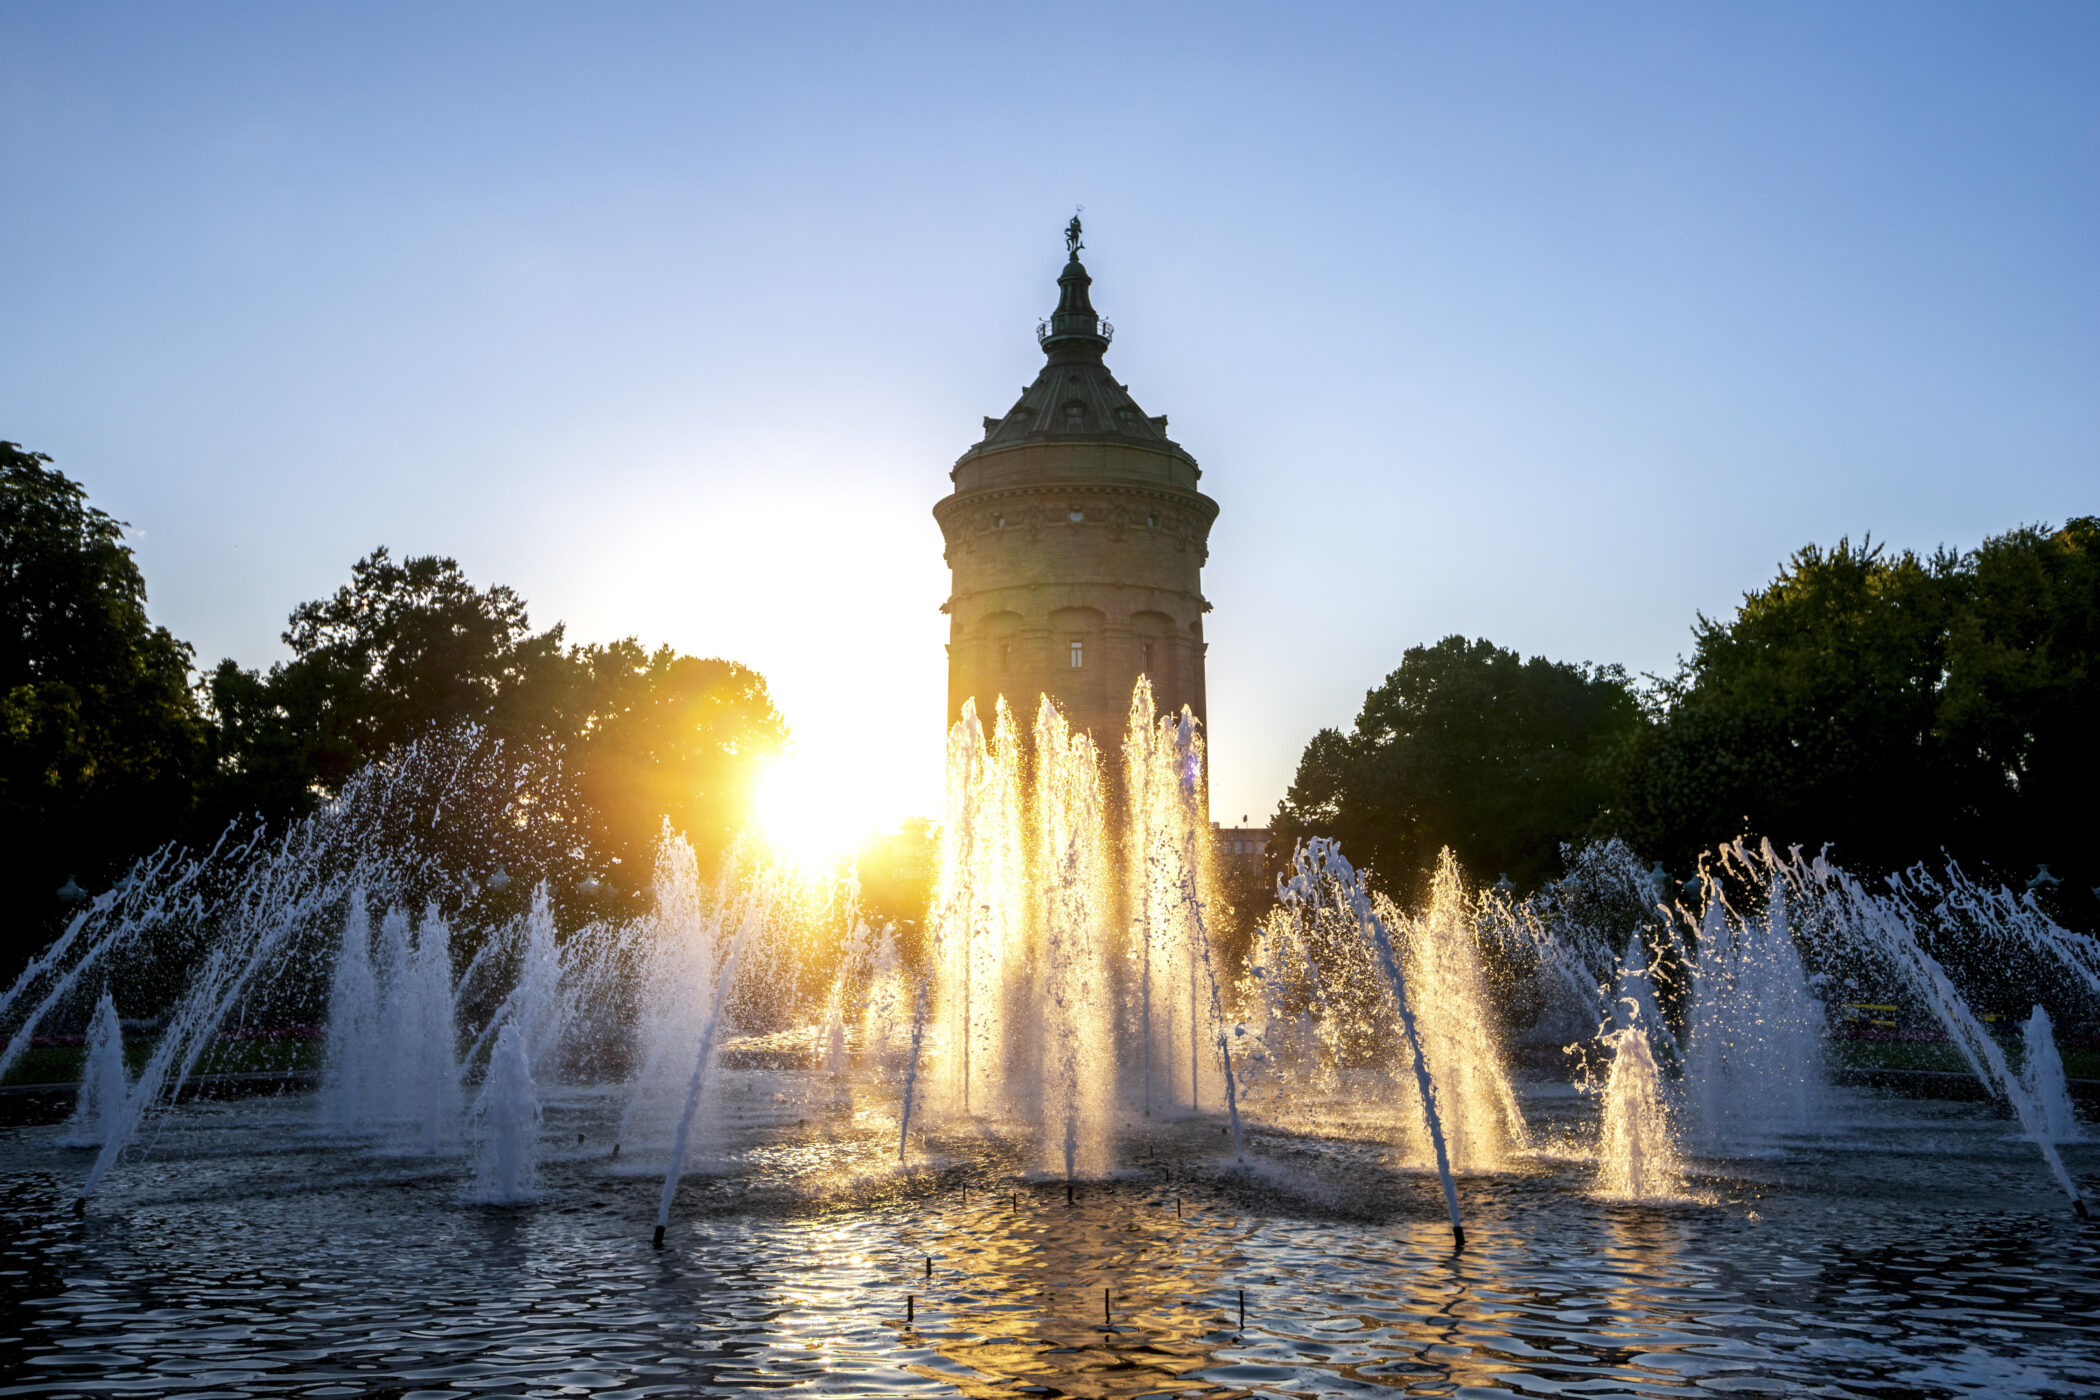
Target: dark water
(1916,1249)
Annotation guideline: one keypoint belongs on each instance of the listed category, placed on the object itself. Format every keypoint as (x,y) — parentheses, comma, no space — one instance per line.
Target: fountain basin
(1911,1246)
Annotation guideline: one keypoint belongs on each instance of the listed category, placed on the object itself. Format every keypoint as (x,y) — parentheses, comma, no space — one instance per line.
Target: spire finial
(1075,331)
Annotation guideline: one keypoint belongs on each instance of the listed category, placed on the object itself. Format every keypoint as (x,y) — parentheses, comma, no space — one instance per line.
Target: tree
(1890,707)
(1807,716)
(603,742)
(2021,692)
(101,739)
(670,737)
(400,649)
(1469,746)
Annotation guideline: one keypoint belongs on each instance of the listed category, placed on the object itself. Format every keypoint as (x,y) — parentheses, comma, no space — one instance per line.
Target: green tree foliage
(398,651)
(589,748)
(1890,707)
(101,740)
(1468,746)
(668,737)
(2022,690)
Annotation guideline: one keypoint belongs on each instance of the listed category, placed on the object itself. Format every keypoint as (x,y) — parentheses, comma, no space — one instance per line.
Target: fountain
(1636,1146)
(2042,1076)
(1369,1017)
(1879,934)
(353,1084)
(1167,880)
(508,1112)
(1754,1056)
(104,1082)
(1080,1006)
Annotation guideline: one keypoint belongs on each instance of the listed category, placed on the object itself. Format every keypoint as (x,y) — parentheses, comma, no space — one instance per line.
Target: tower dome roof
(1075,396)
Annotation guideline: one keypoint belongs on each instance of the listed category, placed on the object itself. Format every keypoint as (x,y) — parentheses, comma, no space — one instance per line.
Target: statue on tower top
(1072,243)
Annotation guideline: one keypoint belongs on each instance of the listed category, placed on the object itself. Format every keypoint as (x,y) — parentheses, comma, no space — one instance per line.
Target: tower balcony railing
(1107,330)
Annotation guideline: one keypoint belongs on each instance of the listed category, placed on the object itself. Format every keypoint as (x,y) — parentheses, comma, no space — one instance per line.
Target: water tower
(1076,539)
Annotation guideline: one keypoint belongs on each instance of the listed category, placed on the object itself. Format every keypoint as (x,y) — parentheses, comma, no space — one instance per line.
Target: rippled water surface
(1917,1249)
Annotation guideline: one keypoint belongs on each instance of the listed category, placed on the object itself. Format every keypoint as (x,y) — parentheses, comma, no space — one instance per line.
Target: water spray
(1323,852)
(725,981)
(1217,1007)
(911,1070)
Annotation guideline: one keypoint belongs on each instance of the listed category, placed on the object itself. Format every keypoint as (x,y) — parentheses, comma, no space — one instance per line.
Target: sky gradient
(1551,324)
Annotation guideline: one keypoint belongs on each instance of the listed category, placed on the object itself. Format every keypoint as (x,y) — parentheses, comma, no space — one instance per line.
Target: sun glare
(811,809)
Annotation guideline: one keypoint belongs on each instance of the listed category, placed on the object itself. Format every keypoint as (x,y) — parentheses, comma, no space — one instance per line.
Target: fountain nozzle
(2078,1206)
(658,1242)
(80,1207)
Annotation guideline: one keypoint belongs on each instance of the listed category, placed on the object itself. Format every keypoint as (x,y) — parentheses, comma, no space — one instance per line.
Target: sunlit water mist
(1060,953)
(1330,1050)
(744,1056)
(1171,974)
(1636,1145)
(834,1117)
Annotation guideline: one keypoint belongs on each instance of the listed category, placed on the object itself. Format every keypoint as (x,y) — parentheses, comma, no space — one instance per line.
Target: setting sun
(812,808)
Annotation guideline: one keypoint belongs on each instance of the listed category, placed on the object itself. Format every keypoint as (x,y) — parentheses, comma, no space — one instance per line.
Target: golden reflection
(1018,1291)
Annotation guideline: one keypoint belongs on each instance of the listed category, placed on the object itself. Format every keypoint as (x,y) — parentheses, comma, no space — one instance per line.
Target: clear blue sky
(1550,323)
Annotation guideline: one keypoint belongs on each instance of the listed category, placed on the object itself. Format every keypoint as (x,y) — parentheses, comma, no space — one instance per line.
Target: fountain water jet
(1167,840)
(911,1072)
(1636,1150)
(1895,939)
(1754,1051)
(351,1079)
(725,983)
(1217,1009)
(1324,893)
(1456,1020)
(1074,1020)
(508,1110)
(416,1016)
(98,1109)
(2042,1074)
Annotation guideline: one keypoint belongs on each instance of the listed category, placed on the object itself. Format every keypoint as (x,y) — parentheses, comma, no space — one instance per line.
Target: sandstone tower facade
(1076,539)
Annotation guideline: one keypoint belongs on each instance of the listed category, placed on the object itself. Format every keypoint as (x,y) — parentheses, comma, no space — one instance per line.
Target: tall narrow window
(1078,653)
(1006,658)
(1145,657)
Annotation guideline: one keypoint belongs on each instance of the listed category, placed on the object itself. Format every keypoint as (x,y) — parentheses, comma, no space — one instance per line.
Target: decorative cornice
(1201,603)
(969,517)
(980,495)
